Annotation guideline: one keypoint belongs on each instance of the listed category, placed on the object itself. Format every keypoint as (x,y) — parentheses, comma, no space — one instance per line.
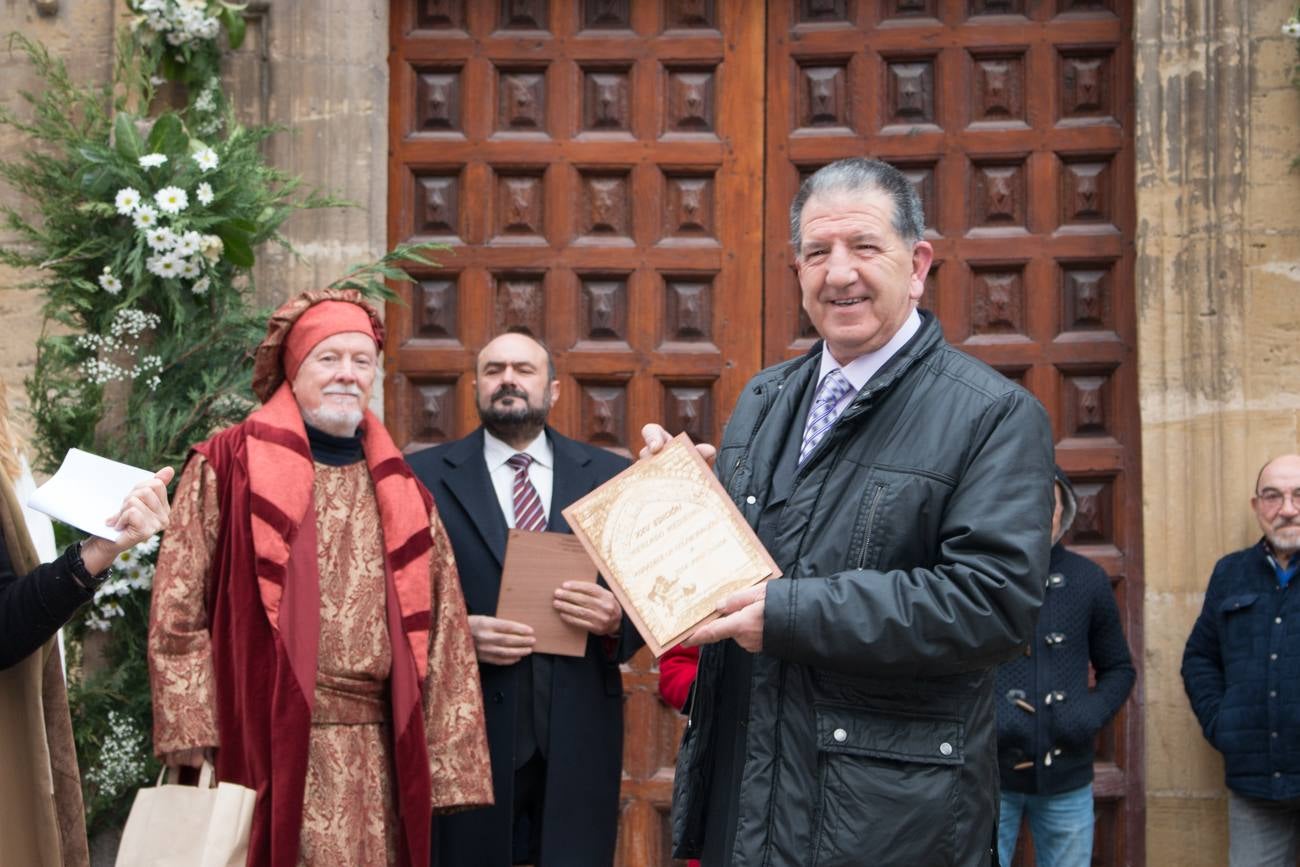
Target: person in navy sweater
(1241,670)
(1048,718)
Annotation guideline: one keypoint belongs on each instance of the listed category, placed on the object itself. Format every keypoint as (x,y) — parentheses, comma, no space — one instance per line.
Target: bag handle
(172,775)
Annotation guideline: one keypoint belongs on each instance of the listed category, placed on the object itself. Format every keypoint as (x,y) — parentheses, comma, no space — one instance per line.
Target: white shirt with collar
(860,370)
(541,472)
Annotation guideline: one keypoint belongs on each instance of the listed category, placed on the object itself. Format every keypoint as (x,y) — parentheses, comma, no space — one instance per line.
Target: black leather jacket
(913,542)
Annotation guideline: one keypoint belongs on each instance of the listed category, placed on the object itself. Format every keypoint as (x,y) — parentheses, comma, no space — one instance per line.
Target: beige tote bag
(188,826)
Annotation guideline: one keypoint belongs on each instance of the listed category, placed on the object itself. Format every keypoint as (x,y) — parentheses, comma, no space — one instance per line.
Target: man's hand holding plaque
(674,548)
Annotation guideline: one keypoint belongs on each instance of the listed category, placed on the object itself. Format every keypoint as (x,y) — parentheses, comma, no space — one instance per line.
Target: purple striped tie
(822,414)
(529,514)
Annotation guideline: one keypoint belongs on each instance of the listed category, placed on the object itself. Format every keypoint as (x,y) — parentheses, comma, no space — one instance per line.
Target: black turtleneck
(333,451)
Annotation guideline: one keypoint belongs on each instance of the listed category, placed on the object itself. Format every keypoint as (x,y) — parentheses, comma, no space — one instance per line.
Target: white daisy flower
(166,266)
(109,283)
(151,161)
(188,244)
(128,199)
(145,217)
(200,287)
(207,159)
(204,193)
(160,238)
(172,200)
(190,269)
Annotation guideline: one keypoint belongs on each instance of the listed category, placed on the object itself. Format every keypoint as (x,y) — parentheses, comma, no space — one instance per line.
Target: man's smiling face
(859,279)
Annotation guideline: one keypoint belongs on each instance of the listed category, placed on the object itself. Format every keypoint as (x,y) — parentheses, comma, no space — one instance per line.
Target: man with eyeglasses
(1241,670)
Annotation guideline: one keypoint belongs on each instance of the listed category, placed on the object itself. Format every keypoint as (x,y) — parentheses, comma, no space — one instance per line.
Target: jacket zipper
(871,524)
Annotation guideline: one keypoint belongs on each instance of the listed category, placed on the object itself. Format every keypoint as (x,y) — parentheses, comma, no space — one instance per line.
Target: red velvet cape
(264,610)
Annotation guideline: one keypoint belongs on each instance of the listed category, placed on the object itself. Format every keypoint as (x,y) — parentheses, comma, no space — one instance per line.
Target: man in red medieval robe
(308,632)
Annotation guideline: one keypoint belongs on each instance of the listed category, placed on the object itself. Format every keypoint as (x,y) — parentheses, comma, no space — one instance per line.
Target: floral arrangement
(142,232)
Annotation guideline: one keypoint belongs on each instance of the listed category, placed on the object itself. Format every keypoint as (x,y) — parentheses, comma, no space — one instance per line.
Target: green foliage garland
(143,246)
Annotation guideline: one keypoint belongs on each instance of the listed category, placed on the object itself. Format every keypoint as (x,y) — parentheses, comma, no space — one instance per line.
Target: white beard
(339,422)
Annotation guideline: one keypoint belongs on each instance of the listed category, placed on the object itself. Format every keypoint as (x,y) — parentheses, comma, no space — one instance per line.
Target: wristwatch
(80,573)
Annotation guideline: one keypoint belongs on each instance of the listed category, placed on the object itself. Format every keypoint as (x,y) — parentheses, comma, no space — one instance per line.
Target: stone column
(1219,374)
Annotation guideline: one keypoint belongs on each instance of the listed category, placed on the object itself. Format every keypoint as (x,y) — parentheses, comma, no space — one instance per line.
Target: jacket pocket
(887,786)
(1238,630)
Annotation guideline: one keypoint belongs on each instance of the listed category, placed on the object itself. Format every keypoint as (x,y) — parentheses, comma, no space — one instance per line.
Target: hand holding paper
(119,505)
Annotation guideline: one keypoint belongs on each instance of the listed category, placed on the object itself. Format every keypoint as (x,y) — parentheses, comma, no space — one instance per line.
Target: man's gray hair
(861,175)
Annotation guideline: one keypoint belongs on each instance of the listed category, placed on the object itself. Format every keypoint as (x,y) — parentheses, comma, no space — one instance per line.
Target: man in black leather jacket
(843,714)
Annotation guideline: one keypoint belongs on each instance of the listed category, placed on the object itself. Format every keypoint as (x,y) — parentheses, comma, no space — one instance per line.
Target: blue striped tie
(833,387)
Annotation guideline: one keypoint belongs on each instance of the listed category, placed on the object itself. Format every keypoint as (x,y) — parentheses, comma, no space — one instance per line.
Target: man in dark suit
(555,724)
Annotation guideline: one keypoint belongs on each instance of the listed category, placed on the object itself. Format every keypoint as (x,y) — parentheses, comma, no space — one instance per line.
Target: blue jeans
(1061,826)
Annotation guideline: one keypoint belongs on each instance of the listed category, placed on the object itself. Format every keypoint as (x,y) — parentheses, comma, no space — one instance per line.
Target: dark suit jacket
(585,752)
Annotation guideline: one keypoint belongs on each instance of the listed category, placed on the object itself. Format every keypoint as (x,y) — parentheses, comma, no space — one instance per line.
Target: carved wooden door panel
(1013,118)
(595,168)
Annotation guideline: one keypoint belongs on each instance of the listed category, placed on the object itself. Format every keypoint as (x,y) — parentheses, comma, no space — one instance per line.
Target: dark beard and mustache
(516,422)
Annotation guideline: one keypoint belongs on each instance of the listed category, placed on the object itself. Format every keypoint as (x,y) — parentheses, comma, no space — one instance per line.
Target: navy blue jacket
(1078,623)
(1241,670)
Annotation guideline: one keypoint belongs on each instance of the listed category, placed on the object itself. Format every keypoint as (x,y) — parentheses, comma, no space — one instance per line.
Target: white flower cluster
(176,254)
(132,570)
(179,21)
(1292,28)
(124,333)
(123,758)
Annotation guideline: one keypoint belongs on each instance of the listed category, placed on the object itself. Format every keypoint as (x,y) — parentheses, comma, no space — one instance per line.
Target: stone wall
(1218,285)
(319,66)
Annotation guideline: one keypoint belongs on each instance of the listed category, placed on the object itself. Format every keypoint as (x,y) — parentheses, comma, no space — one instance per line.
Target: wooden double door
(616,177)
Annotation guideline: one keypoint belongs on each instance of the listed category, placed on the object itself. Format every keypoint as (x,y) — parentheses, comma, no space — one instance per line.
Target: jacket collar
(469,482)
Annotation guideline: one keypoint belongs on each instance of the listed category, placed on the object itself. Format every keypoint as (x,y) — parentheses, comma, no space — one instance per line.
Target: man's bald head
(1277,504)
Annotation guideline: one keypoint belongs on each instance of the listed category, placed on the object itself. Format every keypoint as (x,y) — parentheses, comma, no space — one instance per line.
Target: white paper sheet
(86,491)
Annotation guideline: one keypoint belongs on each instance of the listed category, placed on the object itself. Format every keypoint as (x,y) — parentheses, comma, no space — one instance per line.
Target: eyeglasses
(1272,499)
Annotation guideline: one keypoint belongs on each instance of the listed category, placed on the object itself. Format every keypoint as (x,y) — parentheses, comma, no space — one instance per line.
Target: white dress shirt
(541,472)
(860,370)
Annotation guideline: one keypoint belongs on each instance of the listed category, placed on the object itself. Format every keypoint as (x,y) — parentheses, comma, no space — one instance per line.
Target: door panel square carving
(997,300)
(1087,403)
(437,205)
(602,308)
(823,97)
(909,94)
(1066,7)
(995,7)
(1094,521)
(1086,194)
(688,208)
(1087,294)
(997,89)
(1086,85)
(524,15)
(520,208)
(434,309)
(606,15)
(825,12)
(603,413)
(690,15)
(930,297)
(922,178)
(688,308)
(519,302)
(689,409)
(905,9)
(440,15)
(521,100)
(998,198)
(607,100)
(432,409)
(437,101)
(604,208)
(689,104)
